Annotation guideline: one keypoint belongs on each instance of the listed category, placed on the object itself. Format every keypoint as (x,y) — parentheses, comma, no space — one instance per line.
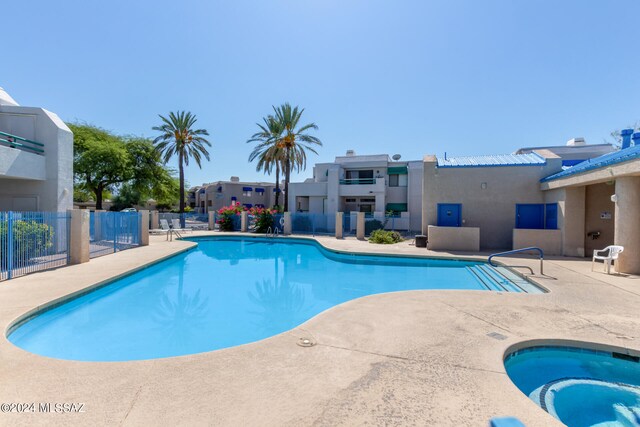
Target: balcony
(21,164)
(19,143)
(361,186)
(358,181)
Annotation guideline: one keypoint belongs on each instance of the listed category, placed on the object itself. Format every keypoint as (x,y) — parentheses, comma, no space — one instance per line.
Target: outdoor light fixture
(614,198)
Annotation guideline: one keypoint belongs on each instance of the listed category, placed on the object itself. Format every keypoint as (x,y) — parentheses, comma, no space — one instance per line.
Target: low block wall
(550,241)
(453,238)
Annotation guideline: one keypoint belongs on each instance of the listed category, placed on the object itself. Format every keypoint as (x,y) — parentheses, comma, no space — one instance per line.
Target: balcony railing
(20,143)
(358,181)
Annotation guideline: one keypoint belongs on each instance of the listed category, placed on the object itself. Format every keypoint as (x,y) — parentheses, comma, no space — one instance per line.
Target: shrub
(263,219)
(385,237)
(226,215)
(372,224)
(31,239)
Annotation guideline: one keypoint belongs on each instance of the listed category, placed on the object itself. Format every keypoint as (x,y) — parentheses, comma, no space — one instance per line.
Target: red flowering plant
(263,219)
(227,214)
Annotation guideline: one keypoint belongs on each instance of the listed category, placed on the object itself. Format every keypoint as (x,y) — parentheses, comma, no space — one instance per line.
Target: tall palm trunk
(287,175)
(181,169)
(277,182)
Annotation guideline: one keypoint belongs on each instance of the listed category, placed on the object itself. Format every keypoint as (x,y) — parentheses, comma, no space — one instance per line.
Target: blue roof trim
(598,162)
(530,159)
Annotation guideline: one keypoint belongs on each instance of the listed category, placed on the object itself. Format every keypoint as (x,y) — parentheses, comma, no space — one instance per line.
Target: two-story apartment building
(36,159)
(215,195)
(374,184)
(484,191)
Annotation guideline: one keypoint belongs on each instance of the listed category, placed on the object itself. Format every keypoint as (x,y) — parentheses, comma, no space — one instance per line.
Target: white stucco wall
(50,179)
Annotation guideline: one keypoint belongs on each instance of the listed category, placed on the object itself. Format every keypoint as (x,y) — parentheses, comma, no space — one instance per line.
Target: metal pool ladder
(272,233)
(515,251)
(171,232)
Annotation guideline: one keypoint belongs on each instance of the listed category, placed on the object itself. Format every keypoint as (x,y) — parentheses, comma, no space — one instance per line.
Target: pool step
(518,280)
(493,279)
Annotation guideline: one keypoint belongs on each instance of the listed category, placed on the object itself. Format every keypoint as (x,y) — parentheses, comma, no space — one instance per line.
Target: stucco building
(215,195)
(36,159)
(374,184)
(540,197)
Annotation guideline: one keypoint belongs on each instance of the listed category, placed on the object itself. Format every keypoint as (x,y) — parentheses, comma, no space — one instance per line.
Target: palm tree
(268,153)
(294,142)
(179,138)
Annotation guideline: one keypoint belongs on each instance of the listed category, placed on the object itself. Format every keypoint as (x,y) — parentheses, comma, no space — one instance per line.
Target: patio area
(406,358)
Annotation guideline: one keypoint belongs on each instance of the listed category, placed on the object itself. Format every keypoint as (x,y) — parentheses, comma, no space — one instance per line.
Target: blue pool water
(580,387)
(225,292)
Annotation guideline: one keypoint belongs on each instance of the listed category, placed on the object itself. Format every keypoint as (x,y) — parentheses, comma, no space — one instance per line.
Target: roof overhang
(595,176)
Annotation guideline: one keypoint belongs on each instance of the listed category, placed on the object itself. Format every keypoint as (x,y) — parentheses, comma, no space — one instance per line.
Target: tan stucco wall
(234,189)
(550,241)
(453,238)
(627,230)
(597,202)
(571,215)
(492,209)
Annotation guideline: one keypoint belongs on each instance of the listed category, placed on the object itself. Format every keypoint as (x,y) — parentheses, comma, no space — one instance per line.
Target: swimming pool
(231,291)
(580,386)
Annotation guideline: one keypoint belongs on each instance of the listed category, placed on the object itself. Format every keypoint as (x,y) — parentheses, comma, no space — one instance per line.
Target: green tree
(180,139)
(151,178)
(105,162)
(267,151)
(100,160)
(295,142)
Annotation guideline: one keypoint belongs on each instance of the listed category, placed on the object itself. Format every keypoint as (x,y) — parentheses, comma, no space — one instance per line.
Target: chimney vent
(351,153)
(234,179)
(576,142)
(626,138)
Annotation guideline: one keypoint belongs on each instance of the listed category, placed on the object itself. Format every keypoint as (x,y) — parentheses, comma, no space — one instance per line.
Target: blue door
(449,214)
(530,216)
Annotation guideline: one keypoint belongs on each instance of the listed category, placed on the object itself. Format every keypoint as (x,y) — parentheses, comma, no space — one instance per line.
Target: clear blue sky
(409,77)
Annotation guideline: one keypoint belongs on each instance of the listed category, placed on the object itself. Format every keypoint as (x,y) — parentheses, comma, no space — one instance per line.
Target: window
(246,191)
(210,202)
(396,180)
(368,174)
(537,216)
(350,200)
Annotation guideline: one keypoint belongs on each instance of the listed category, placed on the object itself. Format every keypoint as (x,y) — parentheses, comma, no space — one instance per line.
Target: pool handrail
(515,251)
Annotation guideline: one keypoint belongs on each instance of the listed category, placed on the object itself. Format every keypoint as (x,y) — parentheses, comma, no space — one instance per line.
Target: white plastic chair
(175,224)
(164,227)
(607,255)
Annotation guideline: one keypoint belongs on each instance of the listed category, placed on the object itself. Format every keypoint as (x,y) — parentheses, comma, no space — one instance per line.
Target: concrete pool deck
(406,358)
